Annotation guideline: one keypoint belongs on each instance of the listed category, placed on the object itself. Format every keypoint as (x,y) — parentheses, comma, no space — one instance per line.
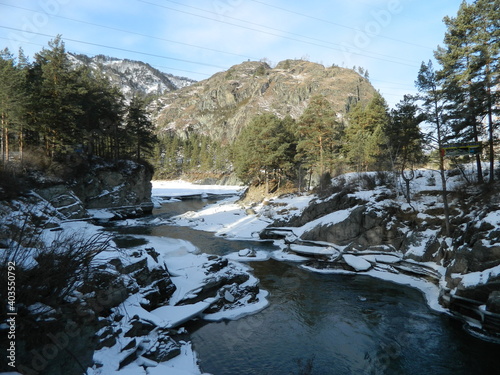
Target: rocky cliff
(221,105)
(373,228)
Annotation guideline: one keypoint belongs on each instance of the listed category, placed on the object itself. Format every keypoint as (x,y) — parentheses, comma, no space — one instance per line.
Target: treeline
(319,142)
(458,103)
(191,154)
(53,109)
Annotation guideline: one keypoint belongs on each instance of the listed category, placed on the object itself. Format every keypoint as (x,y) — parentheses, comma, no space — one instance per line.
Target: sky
(198,38)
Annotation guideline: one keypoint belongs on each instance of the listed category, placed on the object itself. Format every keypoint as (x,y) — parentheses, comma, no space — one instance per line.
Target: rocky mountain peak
(223,104)
(132,77)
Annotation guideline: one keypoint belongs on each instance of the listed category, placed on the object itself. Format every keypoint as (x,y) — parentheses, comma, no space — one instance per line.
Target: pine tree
(319,135)
(12,105)
(433,106)
(364,134)
(55,101)
(404,139)
(140,128)
(266,146)
(470,71)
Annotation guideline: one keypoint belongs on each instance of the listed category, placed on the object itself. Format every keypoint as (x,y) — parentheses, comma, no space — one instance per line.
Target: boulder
(363,227)
(139,328)
(62,198)
(111,185)
(493,303)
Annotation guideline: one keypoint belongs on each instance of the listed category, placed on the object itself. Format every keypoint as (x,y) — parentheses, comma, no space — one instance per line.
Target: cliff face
(221,105)
(121,184)
(124,188)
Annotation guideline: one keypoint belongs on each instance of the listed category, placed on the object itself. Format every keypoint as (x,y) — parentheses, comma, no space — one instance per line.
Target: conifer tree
(140,128)
(470,71)
(433,106)
(364,134)
(266,146)
(319,135)
(55,103)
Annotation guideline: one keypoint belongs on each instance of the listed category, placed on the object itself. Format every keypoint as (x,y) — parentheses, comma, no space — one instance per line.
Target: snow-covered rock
(356,262)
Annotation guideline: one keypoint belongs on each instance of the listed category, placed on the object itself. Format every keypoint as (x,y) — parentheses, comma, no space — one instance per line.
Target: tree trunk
(490,136)
(480,178)
(444,190)
(3,138)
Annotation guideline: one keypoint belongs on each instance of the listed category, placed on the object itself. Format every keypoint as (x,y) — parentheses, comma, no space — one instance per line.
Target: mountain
(224,103)
(132,76)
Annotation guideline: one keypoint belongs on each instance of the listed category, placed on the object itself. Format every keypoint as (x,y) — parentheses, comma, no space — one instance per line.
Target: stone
(357,263)
(139,328)
(113,185)
(493,303)
(62,198)
(164,349)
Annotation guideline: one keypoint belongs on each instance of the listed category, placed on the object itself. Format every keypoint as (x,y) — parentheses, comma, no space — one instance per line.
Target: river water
(326,324)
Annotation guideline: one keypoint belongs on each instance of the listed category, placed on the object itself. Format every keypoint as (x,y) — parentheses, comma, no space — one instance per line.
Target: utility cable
(117,48)
(133,33)
(335,23)
(278,30)
(273,34)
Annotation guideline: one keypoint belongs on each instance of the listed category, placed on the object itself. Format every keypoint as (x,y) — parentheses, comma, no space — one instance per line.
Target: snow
(242,311)
(248,255)
(180,188)
(358,263)
(174,316)
(230,219)
(314,250)
(479,278)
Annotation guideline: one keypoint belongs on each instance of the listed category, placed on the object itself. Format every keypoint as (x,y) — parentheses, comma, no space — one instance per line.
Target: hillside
(132,76)
(221,105)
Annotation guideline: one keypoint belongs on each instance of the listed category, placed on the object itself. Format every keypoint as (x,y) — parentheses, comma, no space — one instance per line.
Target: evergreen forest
(53,111)
(54,115)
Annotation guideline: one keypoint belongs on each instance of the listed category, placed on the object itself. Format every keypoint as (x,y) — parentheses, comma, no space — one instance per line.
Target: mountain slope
(132,76)
(221,105)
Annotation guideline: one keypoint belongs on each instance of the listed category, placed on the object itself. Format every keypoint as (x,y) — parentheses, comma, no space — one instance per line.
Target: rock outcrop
(221,105)
(123,187)
(124,184)
(368,225)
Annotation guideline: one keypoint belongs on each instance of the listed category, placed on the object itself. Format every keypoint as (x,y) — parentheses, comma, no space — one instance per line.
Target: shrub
(47,273)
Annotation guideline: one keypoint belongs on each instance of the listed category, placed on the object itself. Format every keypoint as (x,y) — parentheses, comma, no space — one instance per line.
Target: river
(324,324)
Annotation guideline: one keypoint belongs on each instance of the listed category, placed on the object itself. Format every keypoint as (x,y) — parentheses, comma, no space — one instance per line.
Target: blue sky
(195,38)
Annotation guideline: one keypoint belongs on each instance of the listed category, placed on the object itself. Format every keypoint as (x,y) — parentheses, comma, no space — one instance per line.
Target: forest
(54,112)
(457,104)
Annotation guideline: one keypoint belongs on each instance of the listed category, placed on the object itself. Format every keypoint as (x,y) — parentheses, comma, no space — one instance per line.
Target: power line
(345,49)
(133,33)
(153,65)
(281,36)
(279,30)
(117,48)
(335,23)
